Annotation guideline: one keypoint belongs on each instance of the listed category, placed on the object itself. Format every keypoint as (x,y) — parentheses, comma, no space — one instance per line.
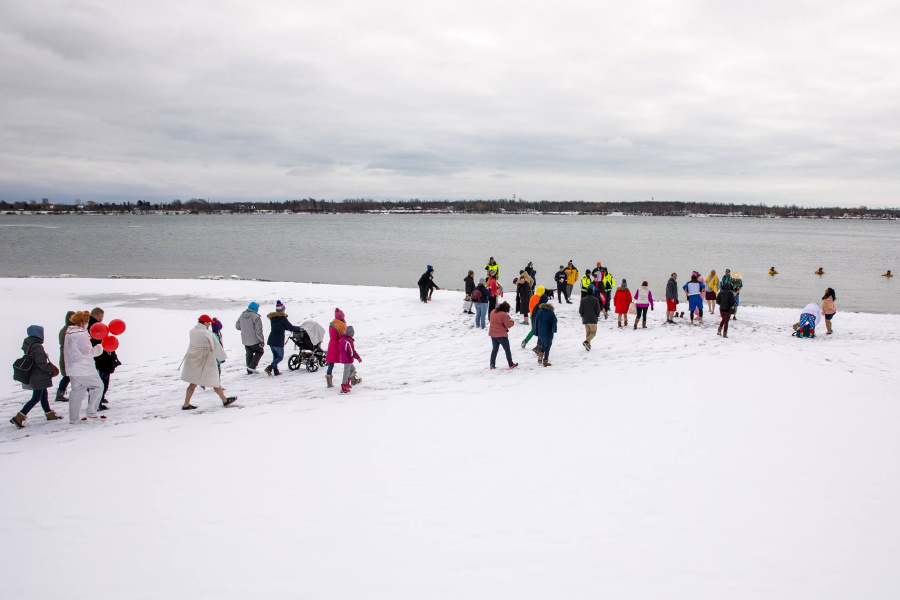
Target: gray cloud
(694,100)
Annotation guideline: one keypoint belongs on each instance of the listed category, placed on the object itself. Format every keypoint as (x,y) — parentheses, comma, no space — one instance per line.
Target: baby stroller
(309,347)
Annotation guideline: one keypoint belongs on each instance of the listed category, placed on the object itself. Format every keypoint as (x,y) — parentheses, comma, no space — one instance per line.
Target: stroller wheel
(312,366)
(294,362)
(322,362)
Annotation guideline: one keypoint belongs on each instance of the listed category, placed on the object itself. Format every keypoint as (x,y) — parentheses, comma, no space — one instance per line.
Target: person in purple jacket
(346,354)
(643,298)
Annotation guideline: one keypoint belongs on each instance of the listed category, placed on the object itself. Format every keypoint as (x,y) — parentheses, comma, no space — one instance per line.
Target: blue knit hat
(254,306)
(428,268)
(35,331)
(279,307)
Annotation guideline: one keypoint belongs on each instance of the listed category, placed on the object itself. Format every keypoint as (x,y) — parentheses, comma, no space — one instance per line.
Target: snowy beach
(665,463)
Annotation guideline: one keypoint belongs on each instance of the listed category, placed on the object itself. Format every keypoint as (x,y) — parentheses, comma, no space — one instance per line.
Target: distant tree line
(311,205)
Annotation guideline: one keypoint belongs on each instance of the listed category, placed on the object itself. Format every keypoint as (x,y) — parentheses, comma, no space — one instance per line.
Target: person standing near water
(694,290)
(480,298)
(737,284)
(524,294)
(492,268)
(469,282)
(828,308)
(643,299)
(571,277)
(622,301)
(725,300)
(561,280)
(426,284)
(712,289)
(671,298)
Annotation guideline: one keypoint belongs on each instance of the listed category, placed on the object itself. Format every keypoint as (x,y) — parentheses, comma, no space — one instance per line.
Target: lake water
(393,250)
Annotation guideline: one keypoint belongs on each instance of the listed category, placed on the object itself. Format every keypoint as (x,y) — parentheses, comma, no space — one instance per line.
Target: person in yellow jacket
(820,271)
(772,271)
(585,282)
(492,267)
(571,272)
(609,283)
(712,288)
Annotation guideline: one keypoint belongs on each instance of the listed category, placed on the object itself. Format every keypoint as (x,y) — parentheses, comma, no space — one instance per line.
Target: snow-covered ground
(665,463)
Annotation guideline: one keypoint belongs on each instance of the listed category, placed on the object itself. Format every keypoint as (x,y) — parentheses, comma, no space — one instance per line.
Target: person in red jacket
(622,301)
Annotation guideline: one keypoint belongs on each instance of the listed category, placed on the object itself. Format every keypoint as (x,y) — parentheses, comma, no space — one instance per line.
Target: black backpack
(22,367)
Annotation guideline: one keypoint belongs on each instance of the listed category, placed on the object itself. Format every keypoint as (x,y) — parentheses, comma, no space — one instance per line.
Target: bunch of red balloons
(107,335)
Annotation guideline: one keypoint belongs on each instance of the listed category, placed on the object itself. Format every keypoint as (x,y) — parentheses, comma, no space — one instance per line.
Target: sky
(721,101)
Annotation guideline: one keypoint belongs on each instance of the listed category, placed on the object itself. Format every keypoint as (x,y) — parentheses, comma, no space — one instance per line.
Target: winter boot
(18,420)
(626,321)
(269,370)
(725,334)
(719,330)
(354,380)
(547,363)
(643,324)
(61,397)
(635,324)
(329,379)
(276,372)
(52,416)
(345,388)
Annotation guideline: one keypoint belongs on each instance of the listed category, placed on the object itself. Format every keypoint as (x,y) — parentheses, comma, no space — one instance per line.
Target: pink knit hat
(338,314)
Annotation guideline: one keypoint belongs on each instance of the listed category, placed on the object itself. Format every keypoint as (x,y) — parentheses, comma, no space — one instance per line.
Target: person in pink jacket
(499,331)
(346,354)
(335,331)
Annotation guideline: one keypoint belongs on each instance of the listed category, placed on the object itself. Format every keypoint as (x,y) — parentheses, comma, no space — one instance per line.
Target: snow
(665,463)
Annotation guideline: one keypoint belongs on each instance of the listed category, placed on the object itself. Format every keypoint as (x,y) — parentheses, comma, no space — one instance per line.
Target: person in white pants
(80,368)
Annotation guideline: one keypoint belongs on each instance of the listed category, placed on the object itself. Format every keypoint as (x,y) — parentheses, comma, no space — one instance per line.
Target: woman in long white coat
(199,364)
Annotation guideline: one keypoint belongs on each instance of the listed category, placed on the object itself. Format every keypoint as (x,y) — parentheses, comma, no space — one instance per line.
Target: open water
(394,249)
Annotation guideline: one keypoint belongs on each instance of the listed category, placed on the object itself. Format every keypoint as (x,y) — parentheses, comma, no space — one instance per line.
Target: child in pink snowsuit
(346,353)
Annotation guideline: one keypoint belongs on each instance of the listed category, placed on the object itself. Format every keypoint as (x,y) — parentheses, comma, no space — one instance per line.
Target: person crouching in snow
(347,352)
(40,379)
(81,369)
(199,363)
(546,327)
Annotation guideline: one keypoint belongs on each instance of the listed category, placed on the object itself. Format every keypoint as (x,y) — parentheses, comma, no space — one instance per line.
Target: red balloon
(117,327)
(99,331)
(110,343)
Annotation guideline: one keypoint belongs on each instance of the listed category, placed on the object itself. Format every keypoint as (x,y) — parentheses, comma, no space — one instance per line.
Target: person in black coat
(533,274)
(469,281)
(40,378)
(279,325)
(426,284)
(725,300)
(561,280)
(104,363)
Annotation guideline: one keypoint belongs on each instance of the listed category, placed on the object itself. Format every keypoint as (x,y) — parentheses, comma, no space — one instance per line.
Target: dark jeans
(608,299)
(423,293)
(492,304)
(496,342)
(36,396)
(545,344)
(63,385)
(277,356)
(104,377)
(254,353)
(641,313)
(560,294)
(726,316)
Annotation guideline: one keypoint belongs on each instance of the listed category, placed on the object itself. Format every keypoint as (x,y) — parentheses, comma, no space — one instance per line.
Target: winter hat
(599,263)
(624,283)
(540,290)
(428,267)
(349,331)
(481,281)
(591,290)
(338,314)
(254,306)
(35,331)
(204,319)
(279,307)
(216,325)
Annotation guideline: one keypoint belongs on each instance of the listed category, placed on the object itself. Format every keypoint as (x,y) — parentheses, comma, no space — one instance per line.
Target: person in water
(820,271)
(772,271)
(888,274)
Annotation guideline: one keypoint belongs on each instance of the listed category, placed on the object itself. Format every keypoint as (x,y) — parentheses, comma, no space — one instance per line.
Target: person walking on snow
(64,380)
(81,368)
(671,298)
(609,284)
(251,328)
(524,294)
(725,300)
(494,291)
(278,324)
(540,295)
(40,379)
(585,282)
(622,301)
(693,289)
(199,364)
(546,328)
(589,309)
(499,334)
(643,298)
(336,329)
(346,354)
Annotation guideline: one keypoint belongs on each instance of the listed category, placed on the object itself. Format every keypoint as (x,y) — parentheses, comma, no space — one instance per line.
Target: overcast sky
(764,101)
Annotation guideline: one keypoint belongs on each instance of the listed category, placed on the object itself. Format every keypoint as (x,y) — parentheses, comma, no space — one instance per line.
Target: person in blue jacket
(279,325)
(546,327)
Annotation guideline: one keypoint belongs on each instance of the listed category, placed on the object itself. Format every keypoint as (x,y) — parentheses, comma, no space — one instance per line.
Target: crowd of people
(600,294)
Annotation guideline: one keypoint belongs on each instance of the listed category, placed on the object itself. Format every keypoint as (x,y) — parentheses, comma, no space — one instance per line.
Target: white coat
(79,353)
(199,364)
